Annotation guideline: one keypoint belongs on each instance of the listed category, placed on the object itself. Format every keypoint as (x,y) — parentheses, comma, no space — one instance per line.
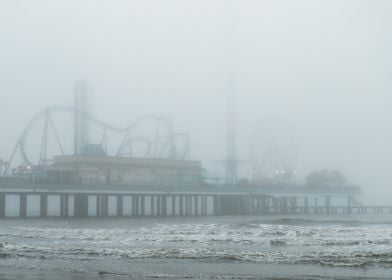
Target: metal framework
(273,151)
(165,144)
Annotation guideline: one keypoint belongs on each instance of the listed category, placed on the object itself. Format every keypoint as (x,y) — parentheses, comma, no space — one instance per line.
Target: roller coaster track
(169,143)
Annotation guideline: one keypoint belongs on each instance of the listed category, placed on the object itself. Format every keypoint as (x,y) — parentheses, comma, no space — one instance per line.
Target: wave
(208,235)
(354,258)
(322,220)
(251,241)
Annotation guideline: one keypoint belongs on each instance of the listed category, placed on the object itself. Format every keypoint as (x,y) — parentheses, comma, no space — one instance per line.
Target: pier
(43,201)
(148,177)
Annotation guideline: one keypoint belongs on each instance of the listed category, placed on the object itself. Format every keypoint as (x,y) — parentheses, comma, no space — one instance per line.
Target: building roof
(123,162)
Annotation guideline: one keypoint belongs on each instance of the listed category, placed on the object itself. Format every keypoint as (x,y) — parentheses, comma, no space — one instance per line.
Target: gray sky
(324,66)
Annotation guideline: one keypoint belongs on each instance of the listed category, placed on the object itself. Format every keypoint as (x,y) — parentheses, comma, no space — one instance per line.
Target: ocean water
(272,247)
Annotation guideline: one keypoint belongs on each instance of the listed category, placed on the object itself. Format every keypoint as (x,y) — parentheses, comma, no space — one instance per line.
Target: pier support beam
(98,203)
(248,206)
(283,205)
(261,205)
(328,205)
(159,205)
(152,204)
(217,205)
(349,204)
(105,205)
(2,205)
(135,205)
(293,205)
(81,205)
(142,205)
(205,207)
(23,205)
(174,205)
(196,206)
(64,205)
(120,209)
(164,205)
(181,205)
(275,205)
(316,208)
(44,205)
(306,205)
(187,206)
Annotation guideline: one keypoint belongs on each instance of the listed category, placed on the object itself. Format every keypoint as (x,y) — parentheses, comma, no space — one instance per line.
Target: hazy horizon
(322,66)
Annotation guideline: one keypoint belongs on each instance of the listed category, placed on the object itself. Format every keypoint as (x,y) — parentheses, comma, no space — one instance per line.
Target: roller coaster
(162,143)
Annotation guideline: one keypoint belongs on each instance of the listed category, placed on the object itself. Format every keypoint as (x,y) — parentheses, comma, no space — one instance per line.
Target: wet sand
(182,270)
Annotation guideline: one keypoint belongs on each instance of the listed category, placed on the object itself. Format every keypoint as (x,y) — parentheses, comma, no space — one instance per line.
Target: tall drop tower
(82,89)
(231,160)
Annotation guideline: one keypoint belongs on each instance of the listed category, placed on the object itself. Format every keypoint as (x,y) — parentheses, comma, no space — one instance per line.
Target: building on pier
(112,170)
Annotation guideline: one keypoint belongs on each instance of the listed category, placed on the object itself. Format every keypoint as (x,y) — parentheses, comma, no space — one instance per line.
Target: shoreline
(84,249)
(185,269)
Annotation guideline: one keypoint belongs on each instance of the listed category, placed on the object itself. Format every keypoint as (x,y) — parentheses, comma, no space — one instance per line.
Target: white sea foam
(257,242)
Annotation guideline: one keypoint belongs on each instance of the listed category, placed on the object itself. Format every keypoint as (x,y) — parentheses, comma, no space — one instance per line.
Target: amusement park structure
(144,169)
(161,157)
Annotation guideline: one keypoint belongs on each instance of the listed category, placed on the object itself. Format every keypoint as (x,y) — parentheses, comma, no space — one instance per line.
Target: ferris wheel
(273,151)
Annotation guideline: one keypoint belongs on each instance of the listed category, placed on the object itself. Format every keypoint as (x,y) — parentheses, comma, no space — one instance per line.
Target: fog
(323,66)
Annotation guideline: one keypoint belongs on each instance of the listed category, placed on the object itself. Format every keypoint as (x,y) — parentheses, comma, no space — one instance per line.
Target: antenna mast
(231,160)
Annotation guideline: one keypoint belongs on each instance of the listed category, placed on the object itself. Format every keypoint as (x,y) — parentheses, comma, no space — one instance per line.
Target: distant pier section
(93,184)
(146,172)
(81,201)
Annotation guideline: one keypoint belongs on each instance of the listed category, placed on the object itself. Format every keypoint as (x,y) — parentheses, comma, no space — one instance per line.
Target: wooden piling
(181,198)
(142,205)
(328,205)
(174,205)
(2,205)
(23,205)
(349,204)
(196,206)
(81,205)
(306,205)
(43,205)
(120,208)
(63,205)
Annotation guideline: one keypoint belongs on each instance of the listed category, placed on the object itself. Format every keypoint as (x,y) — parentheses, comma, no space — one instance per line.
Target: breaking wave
(322,244)
(353,258)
